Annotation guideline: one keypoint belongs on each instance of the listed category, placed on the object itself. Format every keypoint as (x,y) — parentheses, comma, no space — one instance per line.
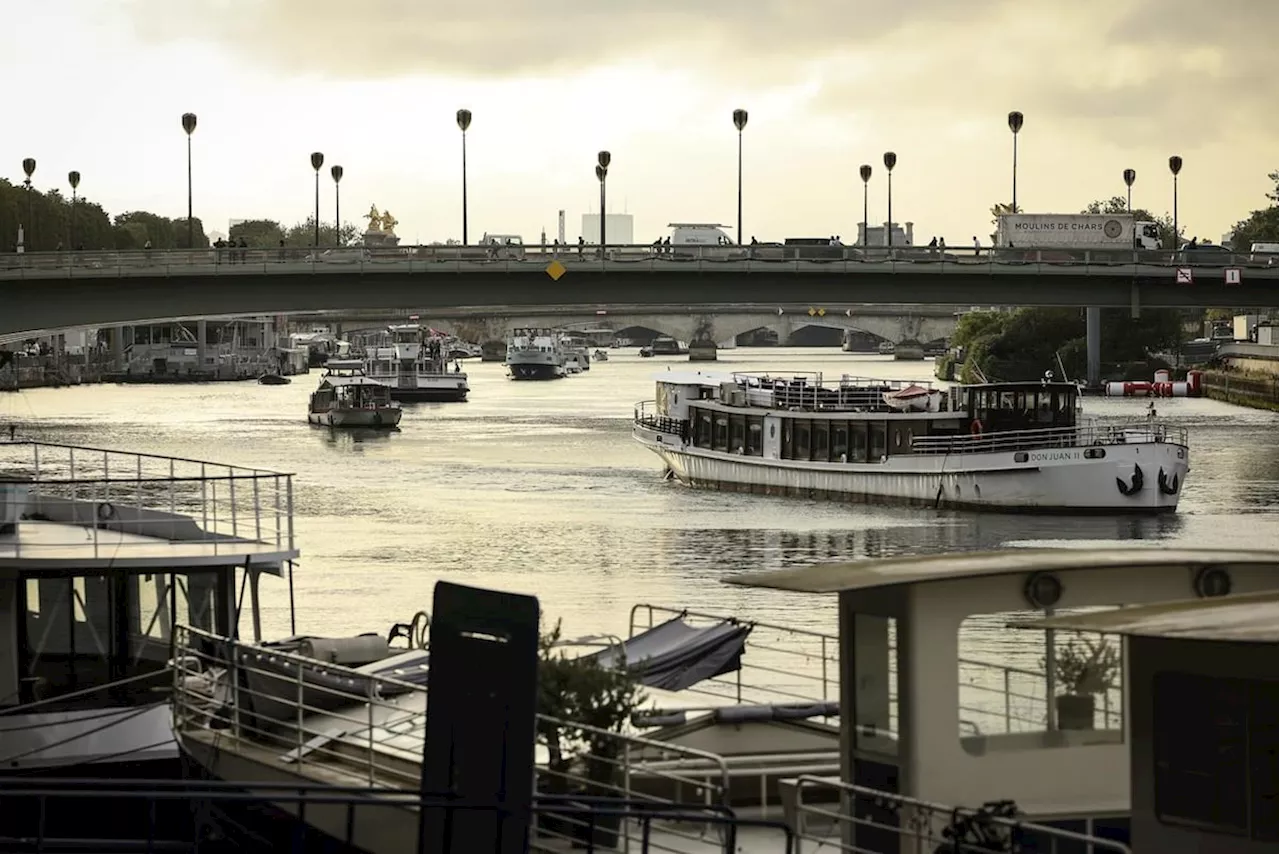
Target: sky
(828,85)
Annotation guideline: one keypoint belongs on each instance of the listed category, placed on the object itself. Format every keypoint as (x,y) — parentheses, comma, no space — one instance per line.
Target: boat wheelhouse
(535,353)
(998,446)
(577,349)
(415,365)
(102,554)
(348,398)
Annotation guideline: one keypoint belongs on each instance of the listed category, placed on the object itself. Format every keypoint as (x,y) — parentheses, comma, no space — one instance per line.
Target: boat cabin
(1202,719)
(941,702)
(102,554)
(345,386)
(856,420)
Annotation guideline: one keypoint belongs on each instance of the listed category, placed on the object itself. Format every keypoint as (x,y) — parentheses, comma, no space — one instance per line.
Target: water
(538,488)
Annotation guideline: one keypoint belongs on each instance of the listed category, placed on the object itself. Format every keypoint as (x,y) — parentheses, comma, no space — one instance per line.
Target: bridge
(716,323)
(48,291)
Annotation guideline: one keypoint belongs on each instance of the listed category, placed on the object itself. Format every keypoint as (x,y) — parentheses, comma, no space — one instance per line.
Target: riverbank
(51,372)
(1256,391)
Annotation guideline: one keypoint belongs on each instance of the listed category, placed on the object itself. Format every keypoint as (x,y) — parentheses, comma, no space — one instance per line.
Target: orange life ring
(975,428)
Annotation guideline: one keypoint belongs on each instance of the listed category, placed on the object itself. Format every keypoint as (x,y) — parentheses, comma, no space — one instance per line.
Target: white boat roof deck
(59,546)
(1243,618)
(345,380)
(902,571)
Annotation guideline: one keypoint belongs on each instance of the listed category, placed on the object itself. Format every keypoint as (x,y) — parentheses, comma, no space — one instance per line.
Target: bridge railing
(285,260)
(1081,436)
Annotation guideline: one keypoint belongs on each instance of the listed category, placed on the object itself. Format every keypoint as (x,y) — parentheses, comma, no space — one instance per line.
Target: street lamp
(336,172)
(1129,177)
(189,125)
(890,160)
(740,122)
(73,178)
(1175,166)
(602,172)
(865,172)
(1015,125)
(29,167)
(317,160)
(464,122)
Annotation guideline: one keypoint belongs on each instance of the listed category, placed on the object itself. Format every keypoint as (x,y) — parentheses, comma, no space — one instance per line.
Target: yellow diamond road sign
(812,312)
(821,312)
(555,270)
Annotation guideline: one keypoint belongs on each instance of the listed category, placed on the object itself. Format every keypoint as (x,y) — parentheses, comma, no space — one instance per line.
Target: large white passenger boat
(535,354)
(999,446)
(416,366)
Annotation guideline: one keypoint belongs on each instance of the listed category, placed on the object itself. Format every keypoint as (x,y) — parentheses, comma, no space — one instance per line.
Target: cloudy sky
(99,86)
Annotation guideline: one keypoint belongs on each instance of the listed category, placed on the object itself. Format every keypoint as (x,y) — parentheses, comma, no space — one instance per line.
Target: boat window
(801,440)
(737,433)
(1032,690)
(788,437)
(702,428)
(839,440)
(898,441)
(857,441)
(755,435)
(821,450)
(720,441)
(876,441)
(1007,401)
(875,695)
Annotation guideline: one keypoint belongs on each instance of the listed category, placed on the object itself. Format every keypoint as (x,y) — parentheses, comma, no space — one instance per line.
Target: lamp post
(29,167)
(740,122)
(1129,177)
(865,172)
(189,125)
(1175,166)
(602,173)
(317,160)
(890,160)
(1015,125)
(73,178)
(336,172)
(464,122)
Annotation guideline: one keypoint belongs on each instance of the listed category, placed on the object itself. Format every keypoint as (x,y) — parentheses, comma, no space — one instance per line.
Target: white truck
(702,240)
(1073,235)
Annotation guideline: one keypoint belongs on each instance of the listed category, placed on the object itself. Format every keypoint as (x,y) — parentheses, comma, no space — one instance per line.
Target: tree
(1261,226)
(47,222)
(998,210)
(1274,179)
(258,233)
(302,234)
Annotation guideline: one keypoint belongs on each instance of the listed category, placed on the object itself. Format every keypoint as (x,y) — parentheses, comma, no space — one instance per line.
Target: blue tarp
(674,655)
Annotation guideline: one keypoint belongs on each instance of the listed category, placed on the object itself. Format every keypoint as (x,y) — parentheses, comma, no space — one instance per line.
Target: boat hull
(1059,480)
(535,370)
(384,416)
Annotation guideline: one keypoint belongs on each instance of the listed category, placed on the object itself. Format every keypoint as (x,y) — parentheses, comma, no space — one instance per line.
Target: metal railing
(844,817)
(1081,436)
(203,816)
(645,414)
(785,665)
(370,729)
(126,501)
(643,257)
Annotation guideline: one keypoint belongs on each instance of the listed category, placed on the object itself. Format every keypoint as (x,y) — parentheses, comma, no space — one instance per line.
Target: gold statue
(389,222)
(375,219)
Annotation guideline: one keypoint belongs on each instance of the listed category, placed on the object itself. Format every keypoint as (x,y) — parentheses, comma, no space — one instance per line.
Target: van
(688,240)
(1264,253)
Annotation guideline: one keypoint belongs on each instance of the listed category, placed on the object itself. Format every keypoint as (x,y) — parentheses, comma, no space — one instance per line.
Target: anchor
(1131,488)
(1169,486)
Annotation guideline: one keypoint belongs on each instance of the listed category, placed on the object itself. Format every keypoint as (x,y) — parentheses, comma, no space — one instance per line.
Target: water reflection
(350,437)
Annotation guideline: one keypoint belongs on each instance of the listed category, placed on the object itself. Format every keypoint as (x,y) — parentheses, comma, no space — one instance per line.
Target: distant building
(619,229)
(875,234)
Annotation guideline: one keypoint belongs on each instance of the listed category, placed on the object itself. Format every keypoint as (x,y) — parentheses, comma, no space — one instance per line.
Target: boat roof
(360,380)
(901,571)
(344,365)
(688,377)
(1246,617)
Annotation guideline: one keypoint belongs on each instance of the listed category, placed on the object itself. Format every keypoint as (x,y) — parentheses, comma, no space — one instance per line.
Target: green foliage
(302,234)
(1085,664)
(580,691)
(48,222)
(258,233)
(998,210)
(1261,226)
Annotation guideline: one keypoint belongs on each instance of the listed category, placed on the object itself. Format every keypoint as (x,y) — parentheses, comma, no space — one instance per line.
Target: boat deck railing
(645,414)
(784,665)
(180,816)
(1080,436)
(844,817)
(369,729)
(115,493)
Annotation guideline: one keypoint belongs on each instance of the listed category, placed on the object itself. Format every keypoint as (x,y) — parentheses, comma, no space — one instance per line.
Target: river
(537,487)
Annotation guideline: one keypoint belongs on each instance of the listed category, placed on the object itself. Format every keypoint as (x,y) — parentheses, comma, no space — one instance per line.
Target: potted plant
(573,694)
(1083,667)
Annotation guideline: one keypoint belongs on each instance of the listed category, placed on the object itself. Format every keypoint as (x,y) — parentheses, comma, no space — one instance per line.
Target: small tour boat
(600,356)
(348,398)
(416,366)
(996,446)
(535,354)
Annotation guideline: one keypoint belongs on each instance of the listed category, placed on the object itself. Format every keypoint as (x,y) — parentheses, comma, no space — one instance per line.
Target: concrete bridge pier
(202,341)
(1093,347)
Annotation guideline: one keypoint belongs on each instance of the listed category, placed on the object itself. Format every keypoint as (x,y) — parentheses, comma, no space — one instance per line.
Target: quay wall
(52,372)
(1256,391)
